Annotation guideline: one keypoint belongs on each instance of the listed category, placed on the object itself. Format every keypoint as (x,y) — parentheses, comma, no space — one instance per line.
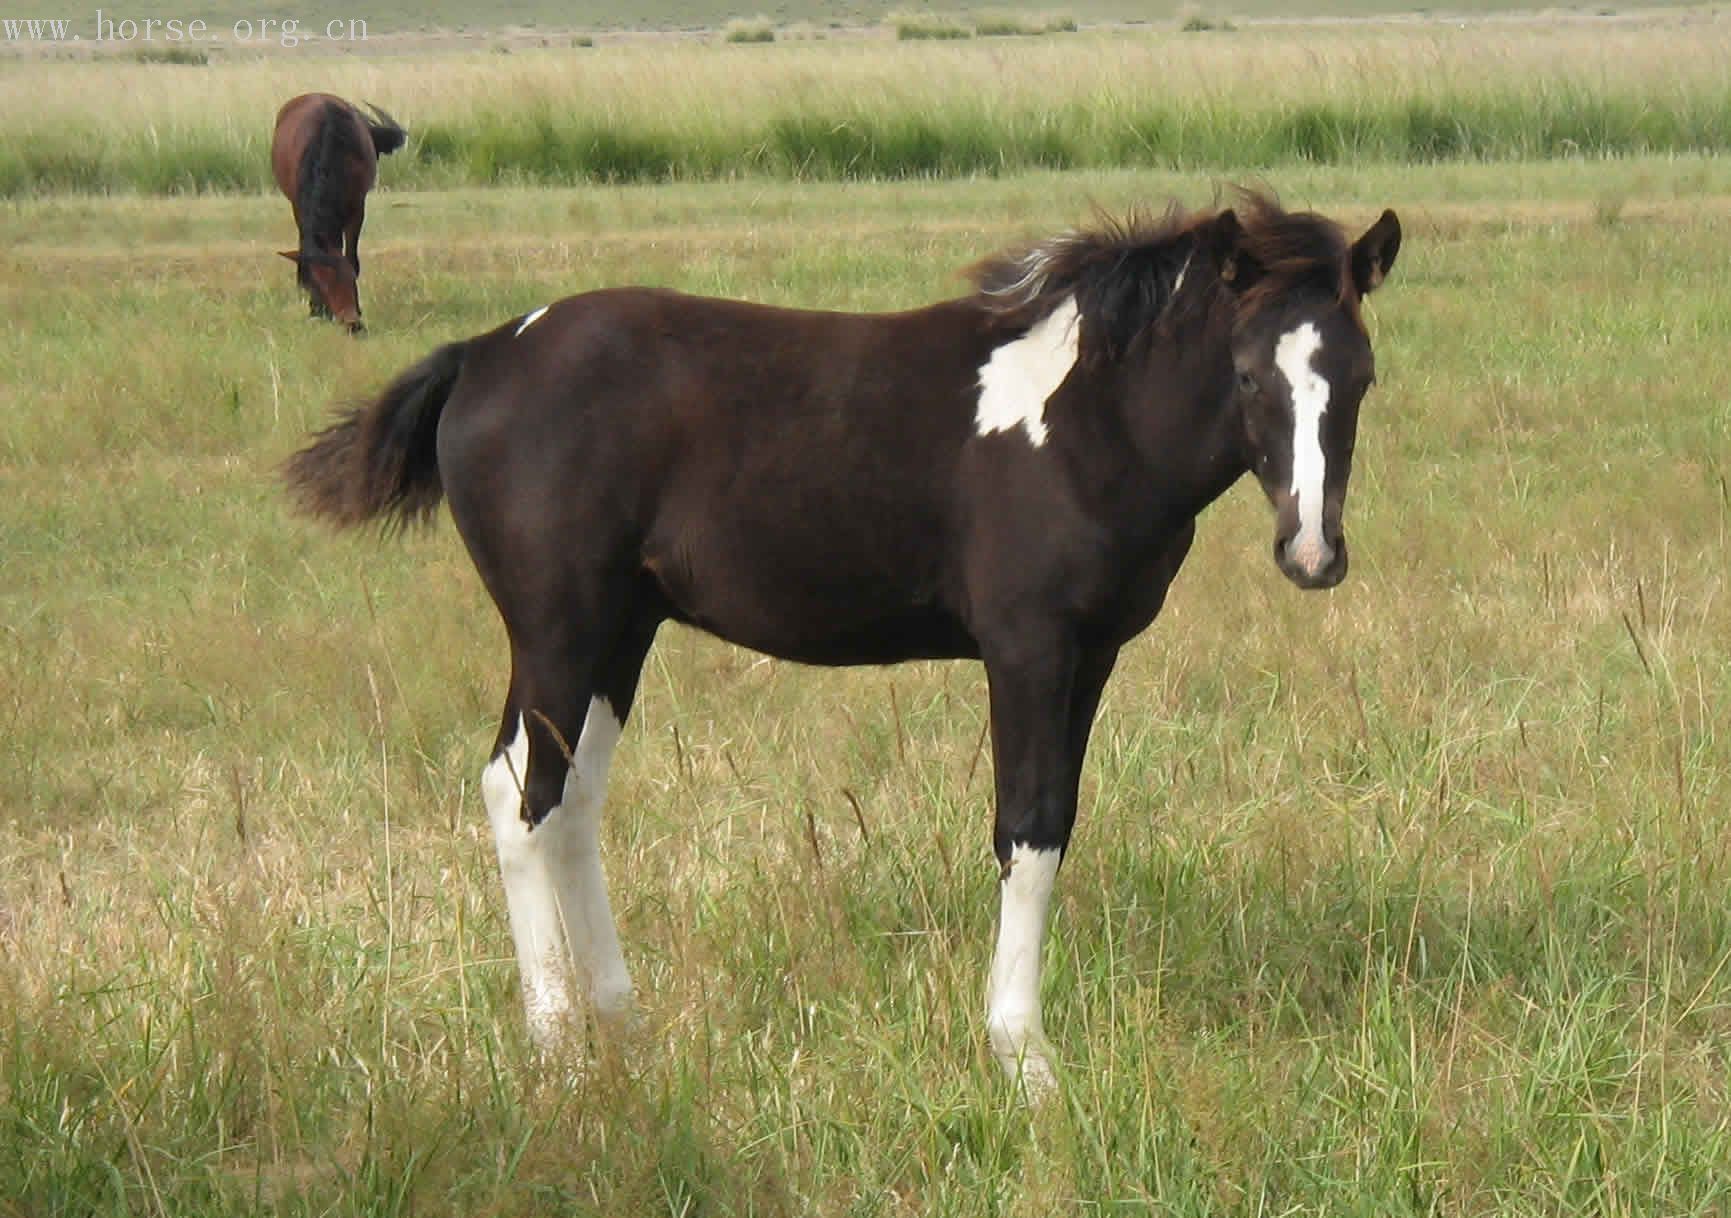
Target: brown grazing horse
(326,157)
(1013,476)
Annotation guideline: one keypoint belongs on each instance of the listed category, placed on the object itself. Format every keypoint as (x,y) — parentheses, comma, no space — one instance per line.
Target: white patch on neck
(1013,1002)
(1021,376)
(1293,355)
(530,319)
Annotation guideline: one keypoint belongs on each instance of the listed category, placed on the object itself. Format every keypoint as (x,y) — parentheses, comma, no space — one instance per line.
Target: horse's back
(680,379)
(756,460)
(298,123)
(691,371)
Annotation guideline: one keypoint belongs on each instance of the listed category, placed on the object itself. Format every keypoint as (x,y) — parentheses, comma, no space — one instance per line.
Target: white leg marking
(542,958)
(530,319)
(574,846)
(1019,378)
(1293,355)
(1013,1004)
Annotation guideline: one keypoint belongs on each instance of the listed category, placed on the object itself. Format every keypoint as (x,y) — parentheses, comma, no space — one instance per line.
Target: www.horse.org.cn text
(110,28)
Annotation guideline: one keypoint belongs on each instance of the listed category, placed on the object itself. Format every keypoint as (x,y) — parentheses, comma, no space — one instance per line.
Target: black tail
(379,460)
(388,133)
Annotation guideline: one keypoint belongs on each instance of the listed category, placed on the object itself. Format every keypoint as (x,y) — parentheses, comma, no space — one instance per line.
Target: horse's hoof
(1026,1059)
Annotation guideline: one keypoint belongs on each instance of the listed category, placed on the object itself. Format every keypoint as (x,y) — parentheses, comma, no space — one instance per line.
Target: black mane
(1123,273)
(322,194)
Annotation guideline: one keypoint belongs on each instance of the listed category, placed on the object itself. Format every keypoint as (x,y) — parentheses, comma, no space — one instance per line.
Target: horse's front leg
(352,236)
(1039,687)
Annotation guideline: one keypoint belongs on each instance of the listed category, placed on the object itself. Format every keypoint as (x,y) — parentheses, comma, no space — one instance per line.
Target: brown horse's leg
(316,306)
(352,239)
(352,236)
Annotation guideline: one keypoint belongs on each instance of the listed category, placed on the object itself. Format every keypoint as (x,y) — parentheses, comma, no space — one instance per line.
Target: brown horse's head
(330,280)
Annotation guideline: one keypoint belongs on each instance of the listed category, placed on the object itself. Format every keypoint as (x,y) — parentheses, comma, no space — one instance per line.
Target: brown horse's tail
(388,133)
(379,461)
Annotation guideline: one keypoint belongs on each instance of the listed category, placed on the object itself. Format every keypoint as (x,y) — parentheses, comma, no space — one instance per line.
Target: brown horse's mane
(322,192)
(1124,272)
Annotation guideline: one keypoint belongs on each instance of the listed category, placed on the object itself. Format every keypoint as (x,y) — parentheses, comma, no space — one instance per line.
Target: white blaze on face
(1013,1002)
(1017,380)
(1294,355)
(530,319)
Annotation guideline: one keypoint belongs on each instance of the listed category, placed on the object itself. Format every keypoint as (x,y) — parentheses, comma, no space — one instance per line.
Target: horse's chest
(1132,599)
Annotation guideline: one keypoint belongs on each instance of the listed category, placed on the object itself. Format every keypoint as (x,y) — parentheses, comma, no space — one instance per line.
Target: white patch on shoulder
(1013,1002)
(1293,355)
(1021,376)
(530,319)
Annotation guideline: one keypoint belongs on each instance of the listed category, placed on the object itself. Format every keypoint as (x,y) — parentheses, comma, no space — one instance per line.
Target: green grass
(929,27)
(686,110)
(999,24)
(749,29)
(1406,898)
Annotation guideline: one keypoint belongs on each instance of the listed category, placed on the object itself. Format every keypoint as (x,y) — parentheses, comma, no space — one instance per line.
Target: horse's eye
(1246,384)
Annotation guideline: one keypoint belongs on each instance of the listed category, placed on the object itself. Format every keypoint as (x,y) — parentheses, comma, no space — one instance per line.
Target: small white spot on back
(1293,355)
(530,319)
(1021,376)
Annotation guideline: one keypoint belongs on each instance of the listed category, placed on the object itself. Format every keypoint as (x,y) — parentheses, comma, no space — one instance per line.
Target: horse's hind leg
(579,878)
(542,959)
(568,702)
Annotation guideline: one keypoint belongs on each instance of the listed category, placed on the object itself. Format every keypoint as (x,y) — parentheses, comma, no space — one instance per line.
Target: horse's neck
(1181,428)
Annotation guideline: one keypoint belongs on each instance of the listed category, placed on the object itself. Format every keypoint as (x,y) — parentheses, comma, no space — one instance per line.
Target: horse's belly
(818,610)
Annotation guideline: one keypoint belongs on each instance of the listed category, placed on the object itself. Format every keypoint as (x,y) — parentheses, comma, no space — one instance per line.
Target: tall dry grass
(1263,97)
(1405,899)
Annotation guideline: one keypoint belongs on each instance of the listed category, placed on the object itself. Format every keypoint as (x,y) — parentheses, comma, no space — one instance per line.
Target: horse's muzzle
(1319,563)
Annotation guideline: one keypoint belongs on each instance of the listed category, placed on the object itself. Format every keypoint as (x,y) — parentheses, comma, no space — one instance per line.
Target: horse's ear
(292,255)
(1373,254)
(1222,240)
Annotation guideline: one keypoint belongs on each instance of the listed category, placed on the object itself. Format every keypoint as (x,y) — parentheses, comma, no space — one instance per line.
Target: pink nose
(1310,554)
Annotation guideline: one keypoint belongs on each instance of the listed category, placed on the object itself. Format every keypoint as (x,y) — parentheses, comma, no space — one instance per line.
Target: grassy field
(1406,898)
(683,110)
